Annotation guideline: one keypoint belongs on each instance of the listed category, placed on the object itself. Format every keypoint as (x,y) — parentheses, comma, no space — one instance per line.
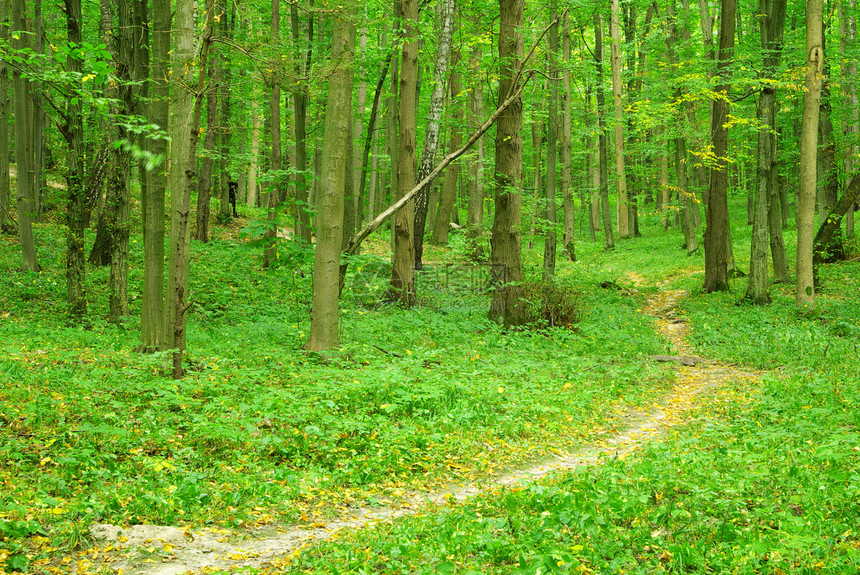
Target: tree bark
(6,224)
(550,240)
(402,285)
(273,198)
(848,31)
(717,226)
(153,324)
(204,184)
(23,150)
(254,166)
(300,106)
(184,129)
(771,25)
(327,254)
(568,238)
(452,174)
(431,139)
(602,140)
(618,108)
(475,185)
(77,209)
(507,306)
(805,288)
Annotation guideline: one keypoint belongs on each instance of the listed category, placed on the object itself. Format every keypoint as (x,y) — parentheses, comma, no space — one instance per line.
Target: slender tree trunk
(254,166)
(40,179)
(475,185)
(273,198)
(566,133)
(23,151)
(357,151)
(184,129)
(77,208)
(402,288)
(593,161)
(618,107)
(805,289)
(452,174)
(370,141)
(153,324)
(550,239)
(848,32)
(537,200)
(300,106)
(507,306)
(204,184)
(665,191)
(221,82)
(391,125)
(338,125)
(827,164)
(771,26)
(6,225)
(717,227)
(603,144)
(431,139)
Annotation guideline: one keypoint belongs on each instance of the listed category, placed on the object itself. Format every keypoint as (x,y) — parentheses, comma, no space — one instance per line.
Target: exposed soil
(156,550)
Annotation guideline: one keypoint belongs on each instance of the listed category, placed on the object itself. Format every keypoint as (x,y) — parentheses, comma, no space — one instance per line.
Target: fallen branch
(370,227)
(513,94)
(682,359)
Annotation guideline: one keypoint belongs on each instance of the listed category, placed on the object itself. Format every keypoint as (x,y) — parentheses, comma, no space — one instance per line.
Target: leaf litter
(166,550)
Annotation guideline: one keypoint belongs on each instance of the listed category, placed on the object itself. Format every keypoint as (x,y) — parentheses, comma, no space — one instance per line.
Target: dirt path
(154,550)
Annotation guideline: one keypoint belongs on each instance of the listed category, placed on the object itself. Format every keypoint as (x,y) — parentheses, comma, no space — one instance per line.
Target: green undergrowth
(764,478)
(772,488)
(261,431)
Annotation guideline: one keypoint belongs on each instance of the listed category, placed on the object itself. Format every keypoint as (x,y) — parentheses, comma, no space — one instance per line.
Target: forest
(429,286)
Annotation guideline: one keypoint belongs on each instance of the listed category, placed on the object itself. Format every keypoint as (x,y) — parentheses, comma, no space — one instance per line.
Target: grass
(261,431)
(762,480)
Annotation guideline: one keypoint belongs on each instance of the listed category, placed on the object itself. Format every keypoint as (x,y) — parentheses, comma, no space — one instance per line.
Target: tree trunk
(222,83)
(771,27)
(370,141)
(431,139)
(204,184)
(153,323)
(537,200)
(848,32)
(593,164)
(717,226)
(77,208)
(273,198)
(549,239)
(6,225)
(618,107)
(452,174)
(475,185)
(566,130)
(402,285)
(23,151)
(184,129)
(602,142)
(40,179)
(254,166)
(356,165)
(300,107)
(805,288)
(391,126)
(327,254)
(507,306)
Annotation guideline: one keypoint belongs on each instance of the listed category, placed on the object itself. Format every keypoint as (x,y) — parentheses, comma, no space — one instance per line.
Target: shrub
(551,304)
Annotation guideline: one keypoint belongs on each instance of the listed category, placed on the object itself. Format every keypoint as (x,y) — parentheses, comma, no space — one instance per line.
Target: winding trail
(155,550)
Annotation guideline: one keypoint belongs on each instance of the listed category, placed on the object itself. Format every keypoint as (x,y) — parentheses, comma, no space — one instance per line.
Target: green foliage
(552,304)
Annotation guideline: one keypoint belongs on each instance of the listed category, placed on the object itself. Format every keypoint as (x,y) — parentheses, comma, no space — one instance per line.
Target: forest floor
(165,550)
